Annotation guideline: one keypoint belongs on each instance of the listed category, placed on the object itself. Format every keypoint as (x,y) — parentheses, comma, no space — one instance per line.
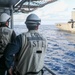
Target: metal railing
(50,71)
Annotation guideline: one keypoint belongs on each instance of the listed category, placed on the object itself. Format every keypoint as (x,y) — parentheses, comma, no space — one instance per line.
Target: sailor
(7,35)
(29,48)
(72,21)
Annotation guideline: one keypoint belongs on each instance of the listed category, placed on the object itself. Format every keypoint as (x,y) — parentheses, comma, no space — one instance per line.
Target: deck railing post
(50,71)
(11,13)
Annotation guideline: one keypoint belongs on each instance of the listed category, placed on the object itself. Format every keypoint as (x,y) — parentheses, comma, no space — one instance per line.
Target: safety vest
(31,57)
(5,38)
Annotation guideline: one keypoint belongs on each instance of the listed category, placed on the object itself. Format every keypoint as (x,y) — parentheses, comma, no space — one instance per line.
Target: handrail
(49,70)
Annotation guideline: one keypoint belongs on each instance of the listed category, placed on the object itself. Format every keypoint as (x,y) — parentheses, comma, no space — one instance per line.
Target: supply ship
(69,26)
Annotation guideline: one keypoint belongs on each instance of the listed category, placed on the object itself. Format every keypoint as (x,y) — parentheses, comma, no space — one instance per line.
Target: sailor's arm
(12,49)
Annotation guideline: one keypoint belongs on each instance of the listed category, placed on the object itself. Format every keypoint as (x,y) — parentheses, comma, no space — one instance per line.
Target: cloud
(52,8)
(56,11)
(51,12)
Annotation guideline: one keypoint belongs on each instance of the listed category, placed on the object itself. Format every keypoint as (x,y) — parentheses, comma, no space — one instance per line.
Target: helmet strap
(36,27)
(7,23)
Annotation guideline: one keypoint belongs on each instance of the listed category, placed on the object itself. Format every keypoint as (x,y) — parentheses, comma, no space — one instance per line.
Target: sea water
(60,54)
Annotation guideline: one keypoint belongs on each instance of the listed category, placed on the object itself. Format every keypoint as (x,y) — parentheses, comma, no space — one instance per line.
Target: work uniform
(30,49)
(5,38)
(7,35)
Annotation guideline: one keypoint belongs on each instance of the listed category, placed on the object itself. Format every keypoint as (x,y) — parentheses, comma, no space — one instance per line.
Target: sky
(56,12)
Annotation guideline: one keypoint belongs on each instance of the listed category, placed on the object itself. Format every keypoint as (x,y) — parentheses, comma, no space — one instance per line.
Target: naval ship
(69,26)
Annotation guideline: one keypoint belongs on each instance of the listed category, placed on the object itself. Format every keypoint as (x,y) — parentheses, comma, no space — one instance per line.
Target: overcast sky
(59,11)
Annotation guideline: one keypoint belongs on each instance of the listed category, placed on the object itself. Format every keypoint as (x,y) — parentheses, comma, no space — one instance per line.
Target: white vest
(31,56)
(5,38)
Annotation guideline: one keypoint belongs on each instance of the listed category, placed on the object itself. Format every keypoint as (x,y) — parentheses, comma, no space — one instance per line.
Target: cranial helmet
(4,17)
(33,20)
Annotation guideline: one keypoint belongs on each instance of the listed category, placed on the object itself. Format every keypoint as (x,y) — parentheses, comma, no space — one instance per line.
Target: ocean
(60,54)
